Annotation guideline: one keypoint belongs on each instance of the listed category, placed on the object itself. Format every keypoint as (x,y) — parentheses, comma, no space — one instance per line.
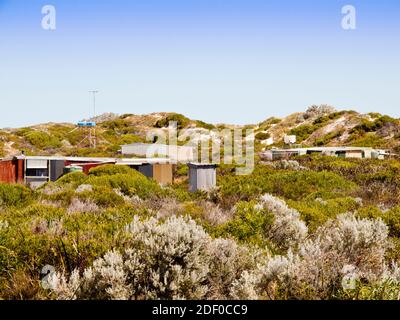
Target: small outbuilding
(341,152)
(202,176)
(159,169)
(172,152)
(163,173)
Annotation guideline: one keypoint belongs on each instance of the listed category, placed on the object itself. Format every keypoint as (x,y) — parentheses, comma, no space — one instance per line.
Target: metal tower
(89,127)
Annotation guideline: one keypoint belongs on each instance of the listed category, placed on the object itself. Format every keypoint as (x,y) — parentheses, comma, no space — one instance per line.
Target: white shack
(149,150)
(341,152)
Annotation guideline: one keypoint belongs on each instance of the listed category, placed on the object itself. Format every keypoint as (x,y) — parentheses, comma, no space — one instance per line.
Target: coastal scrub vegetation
(314,228)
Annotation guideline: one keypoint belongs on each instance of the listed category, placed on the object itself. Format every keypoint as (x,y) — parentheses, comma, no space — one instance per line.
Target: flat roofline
(198,164)
(153,144)
(95,159)
(61,158)
(323,149)
(141,161)
(38,158)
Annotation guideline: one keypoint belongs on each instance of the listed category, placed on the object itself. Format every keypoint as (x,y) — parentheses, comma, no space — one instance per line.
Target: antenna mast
(93,92)
(92,130)
(89,126)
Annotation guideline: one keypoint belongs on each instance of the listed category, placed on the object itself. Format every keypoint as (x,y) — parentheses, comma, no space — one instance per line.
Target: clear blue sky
(237,61)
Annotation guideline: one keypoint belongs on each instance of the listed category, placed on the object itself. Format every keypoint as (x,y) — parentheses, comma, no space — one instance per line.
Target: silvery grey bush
(288,229)
(288,165)
(209,211)
(51,189)
(173,256)
(106,279)
(83,188)
(315,271)
(245,288)
(86,205)
(228,261)
(315,111)
(174,259)
(54,227)
(214,214)
(133,199)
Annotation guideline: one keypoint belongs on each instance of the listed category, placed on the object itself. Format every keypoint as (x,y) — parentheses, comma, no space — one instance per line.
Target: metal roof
(321,149)
(126,161)
(141,161)
(83,159)
(141,144)
(204,165)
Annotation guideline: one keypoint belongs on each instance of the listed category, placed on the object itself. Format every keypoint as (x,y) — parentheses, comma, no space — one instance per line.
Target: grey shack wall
(202,178)
(56,169)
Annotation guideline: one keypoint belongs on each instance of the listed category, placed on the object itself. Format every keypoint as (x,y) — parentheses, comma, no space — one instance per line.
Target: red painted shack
(12,171)
(37,170)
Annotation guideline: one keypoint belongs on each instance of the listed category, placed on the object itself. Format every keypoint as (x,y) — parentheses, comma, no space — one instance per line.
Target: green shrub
(265,125)
(110,169)
(2,153)
(374,115)
(103,196)
(369,212)
(130,183)
(371,126)
(63,197)
(128,139)
(115,125)
(262,136)
(14,195)
(315,211)
(249,224)
(383,290)
(42,140)
(42,234)
(202,124)
(327,138)
(392,219)
(303,132)
(370,139)
(181,120)
(75,178)
(294,185)
(182,170)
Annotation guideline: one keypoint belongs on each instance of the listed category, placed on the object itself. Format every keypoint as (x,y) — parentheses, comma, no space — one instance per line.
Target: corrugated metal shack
(202,176)
(35,170)
(172,152)
(341,152)
(161,170)
(12,171)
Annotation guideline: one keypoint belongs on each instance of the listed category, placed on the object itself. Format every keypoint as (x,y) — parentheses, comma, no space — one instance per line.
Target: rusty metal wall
(8,171)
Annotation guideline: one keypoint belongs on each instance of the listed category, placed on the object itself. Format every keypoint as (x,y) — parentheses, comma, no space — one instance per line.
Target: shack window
(37,172)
